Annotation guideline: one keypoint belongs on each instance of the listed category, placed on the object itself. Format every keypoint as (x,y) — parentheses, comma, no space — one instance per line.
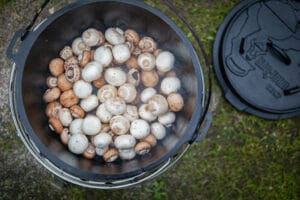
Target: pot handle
(10,49)
(201,134)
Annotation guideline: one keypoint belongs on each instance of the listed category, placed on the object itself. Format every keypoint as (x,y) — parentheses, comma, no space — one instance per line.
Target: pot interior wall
(70,25)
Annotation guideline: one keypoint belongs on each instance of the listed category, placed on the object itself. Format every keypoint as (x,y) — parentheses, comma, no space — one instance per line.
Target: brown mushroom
(132,63)
(56,66)
(149,78)
(147,44)
(132,35)
(175,102)
(53,108)
(72,73)
(142,148)
(110,155)
(68,98)
(90,152)
(151,139)
(92,55)
(71,61)
(65,136)
(105,128)
(137,51)
(171,74)
(51,94)
(63,84)
(66,52)
(130,45)
(84,58)
(51,82)
(99,82)
(55,125)
(77,111)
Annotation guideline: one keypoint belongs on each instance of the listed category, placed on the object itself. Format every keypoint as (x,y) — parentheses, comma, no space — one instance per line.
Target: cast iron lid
(257,58)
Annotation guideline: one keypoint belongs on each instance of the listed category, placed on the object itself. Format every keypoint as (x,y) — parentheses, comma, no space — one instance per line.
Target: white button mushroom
(146,61)
(78,46)
(115,76)
(167,119)
(147,44)
(157,105)
(104,56)
(65,116)
(170,85)
(76,126)
(124,142)
(133,77)
(82,89)
(101,151)
(131,113)
(119,125)
(127,92)
(114,36)
(102,140)
(91,37)
(92,71)
(158,130)
(145,113)
(121,53)
(91,125)
(89,103)
(139,129)
(165,61)
(147,94)
(78,143)
(116,106)
(103,114)
(107,92)
(127,154)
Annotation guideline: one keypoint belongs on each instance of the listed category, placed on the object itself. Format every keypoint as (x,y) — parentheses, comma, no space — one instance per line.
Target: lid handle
(279,53)
(292,91)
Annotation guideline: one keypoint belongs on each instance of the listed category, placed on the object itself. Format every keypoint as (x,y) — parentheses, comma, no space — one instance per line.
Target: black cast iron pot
(30,71)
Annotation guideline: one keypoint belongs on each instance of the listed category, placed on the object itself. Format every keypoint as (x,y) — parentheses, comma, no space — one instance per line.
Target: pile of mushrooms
(112,95)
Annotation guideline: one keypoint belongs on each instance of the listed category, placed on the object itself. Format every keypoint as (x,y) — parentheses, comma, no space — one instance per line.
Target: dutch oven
(30,71)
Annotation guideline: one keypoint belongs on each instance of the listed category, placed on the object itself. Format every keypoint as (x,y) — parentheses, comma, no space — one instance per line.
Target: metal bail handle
(22,33)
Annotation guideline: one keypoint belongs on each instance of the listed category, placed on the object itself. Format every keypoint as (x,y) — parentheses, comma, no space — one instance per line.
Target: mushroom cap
(111,155)
(115,76)
(119,125)
(66,52)
(72,73)
(145,113)
(90,103)
(157,105)
(84,58)
(91,125)
(124,142)
(53,108)
(65,136)
(150,78)
(103,114)
(107,92)
(76,126)
(146,61)
(165,61)
(56,66)
(158,130)
(132,35)
(167,119)
(116,105)
(114,36)
(127,92)
(142,148)
(99,82)
(133,77)
(175,101)
(92,71)
(147,93)
(51,82)
(102,140)
(78,143)
(63,84)
(91,37)
(55,125)
(71,61)
(82,89)
(151,139)
(127,154)
(78,46)
(170,85)
(77,111)
(65,117)
(139,129)
(51,94)
(90,152)
(131,113)
(147,44)
(121,53)
(68,98)
(103,55)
